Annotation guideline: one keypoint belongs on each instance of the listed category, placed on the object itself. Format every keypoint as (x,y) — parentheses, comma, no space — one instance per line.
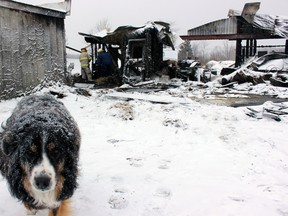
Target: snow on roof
(276,24)
(102,33)
(63,6)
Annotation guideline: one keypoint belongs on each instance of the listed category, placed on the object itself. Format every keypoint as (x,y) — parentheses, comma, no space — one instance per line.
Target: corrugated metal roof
(245,25)
(219,27)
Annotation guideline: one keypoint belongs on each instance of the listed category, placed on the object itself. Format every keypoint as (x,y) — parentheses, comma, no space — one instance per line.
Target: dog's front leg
(30,211)
(63,210)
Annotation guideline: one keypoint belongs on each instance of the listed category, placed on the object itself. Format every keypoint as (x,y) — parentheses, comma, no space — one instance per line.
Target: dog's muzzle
(42,182)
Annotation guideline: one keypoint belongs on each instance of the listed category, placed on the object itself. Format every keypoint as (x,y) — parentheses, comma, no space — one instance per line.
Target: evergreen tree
(185,51)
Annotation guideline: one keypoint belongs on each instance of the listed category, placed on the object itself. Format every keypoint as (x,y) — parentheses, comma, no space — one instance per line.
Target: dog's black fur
(39,125)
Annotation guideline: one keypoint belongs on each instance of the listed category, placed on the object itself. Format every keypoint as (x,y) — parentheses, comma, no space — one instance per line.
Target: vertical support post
(238,59)
(251,47)
(147,57)
(247,48)
(286,47)
(255,47)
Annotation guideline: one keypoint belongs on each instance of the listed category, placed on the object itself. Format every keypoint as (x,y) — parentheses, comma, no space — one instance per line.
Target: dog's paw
(31,212)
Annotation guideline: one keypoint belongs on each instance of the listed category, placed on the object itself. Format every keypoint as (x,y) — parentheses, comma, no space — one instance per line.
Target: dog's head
(42,147)
(42,150)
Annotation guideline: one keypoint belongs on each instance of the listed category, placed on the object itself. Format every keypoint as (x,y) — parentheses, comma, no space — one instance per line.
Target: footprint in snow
(135,162)
(163,192)
(164,164)
(117,179)
(118,201)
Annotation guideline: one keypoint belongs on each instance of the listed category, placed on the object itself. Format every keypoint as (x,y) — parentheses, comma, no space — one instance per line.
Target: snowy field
(180,158)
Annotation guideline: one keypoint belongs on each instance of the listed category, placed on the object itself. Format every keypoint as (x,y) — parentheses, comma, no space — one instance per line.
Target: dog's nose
(42,182)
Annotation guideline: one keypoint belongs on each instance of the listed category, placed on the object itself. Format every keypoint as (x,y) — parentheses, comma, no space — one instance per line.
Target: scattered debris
(84,92)
(272,68)
(146,97)
(280,80)
(268,110)
(124,110)
(244,75)
(178,123)
(58,94)
(274,62)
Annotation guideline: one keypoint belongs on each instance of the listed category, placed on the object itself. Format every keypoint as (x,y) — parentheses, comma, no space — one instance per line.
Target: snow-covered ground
(179,158)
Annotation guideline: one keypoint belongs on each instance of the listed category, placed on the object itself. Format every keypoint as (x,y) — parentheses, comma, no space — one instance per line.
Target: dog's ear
(8,143)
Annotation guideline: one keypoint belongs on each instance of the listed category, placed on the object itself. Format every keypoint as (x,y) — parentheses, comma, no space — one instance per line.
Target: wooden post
(247,48)
(286,47)
(238,59)
(255,47)
(251,47)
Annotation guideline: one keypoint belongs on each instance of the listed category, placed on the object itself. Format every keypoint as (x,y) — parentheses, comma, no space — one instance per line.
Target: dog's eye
(33,148)
(51,146)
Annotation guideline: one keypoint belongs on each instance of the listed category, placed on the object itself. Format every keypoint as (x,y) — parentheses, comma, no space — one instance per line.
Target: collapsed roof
(275,25)
(247,24)
(123,33)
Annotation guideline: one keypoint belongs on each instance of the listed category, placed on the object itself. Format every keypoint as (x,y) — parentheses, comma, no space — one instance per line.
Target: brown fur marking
(63,210)
(51,146)
(28,207)
(60,167)
(33,148)
(27,185)
(59,186)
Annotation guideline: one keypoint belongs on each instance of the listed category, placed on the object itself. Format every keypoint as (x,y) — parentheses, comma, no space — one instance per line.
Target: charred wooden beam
(255,47)
(238,59)
(247,48)
(71,48)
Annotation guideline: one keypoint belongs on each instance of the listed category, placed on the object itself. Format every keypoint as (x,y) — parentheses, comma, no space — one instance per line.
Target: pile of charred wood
(269,110)
(270,67)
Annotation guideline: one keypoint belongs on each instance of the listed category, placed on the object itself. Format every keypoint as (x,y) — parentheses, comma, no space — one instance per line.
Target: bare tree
(229,50)
(217,54)
(101,25)
(195,49)
(203,52)
(224,52)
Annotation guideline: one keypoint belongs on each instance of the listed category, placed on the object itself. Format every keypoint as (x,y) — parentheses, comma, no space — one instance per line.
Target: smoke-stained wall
(32,47)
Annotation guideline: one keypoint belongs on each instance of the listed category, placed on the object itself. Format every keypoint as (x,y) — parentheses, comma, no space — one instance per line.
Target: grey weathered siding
(32,47)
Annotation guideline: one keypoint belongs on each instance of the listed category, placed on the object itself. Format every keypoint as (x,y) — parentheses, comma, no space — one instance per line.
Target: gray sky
(184,15)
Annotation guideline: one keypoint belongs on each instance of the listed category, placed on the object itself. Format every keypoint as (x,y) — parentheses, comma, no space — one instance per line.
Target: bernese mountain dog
(39,154)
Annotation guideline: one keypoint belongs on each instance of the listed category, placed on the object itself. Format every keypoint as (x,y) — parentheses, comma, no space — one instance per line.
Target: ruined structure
(32,47)
(139,50)
(247,26)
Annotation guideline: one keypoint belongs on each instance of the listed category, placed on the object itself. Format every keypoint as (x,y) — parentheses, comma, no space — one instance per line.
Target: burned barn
(137,52)
(32,47)
(246,28)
